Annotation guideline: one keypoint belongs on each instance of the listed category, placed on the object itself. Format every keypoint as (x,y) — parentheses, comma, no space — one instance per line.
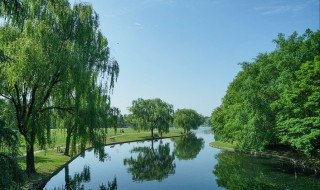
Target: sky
(186,52)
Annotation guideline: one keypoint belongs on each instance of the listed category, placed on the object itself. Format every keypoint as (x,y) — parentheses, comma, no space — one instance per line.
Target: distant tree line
(275,100)
(156,114)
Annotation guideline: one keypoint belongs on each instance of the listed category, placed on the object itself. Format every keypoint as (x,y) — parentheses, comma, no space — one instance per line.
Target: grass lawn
(135,136)
(223,145)
(47,162)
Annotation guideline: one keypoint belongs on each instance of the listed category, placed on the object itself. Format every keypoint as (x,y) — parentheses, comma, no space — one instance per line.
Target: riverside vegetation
(53,57)
(273,102)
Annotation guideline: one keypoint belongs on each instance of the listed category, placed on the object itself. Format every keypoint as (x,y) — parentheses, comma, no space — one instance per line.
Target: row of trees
(275,99)
(151,114)
(56,71)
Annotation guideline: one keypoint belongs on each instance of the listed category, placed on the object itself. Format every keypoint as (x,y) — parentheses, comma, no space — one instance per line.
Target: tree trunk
(68,140)
(30,168)
(152,132)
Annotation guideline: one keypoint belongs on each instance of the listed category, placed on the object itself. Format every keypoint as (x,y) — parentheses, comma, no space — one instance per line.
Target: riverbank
(49,162)
(297,159)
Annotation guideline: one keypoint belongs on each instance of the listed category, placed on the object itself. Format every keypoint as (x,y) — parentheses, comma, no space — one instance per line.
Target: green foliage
(187,119)
(54,55)
(11,173)
(151,114)
(207,121)
(299,110)
(222,145)
(275,99)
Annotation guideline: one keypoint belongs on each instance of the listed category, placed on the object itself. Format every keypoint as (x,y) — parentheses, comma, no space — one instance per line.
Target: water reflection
(240,171)
(187,147)
(112,185)
(151,163)
(78,180)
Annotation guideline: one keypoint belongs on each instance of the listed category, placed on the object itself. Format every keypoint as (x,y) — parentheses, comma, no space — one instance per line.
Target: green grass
(47,162)
(223,145)
(131,135)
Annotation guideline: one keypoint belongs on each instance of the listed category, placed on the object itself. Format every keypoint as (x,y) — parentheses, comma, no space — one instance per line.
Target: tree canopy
(187,119)
(54,55)
(151,114)
(275,99)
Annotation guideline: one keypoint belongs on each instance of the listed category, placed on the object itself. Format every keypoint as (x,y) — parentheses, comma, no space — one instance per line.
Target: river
(178,163)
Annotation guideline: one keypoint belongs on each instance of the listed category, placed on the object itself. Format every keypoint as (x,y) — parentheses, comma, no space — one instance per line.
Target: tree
(151,114)
(55,55)
(187,119)
(273,100)
(11,8)
(121,122)
(11,173)
(299,109)
(113,118)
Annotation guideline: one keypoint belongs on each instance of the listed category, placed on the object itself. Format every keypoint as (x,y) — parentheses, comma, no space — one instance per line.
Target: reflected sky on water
(179,163)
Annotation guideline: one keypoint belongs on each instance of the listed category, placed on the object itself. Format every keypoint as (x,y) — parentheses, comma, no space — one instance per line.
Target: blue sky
(186,52)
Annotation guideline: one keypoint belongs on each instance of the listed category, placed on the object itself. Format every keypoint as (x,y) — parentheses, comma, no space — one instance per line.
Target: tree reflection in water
(240,171)
(187,147)
(76,182)
(112,185)
(151,163)
(78,179)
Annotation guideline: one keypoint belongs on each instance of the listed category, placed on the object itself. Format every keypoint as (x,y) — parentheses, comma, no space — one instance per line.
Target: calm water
(178,163)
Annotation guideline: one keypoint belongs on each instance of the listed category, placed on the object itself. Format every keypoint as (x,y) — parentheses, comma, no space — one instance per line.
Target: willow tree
(187,119)
(54,57)
(88,122)
(151,114)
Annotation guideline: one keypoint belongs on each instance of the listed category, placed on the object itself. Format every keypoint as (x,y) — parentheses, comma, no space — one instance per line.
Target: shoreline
(304,164)
(40,183)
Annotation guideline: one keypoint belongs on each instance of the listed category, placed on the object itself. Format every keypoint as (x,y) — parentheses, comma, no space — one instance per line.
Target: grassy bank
(223,145)
(47,162)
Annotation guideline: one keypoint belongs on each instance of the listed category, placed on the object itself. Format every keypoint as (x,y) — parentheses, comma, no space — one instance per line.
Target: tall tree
(151,114)
(274,99)
(299,110)
(55,55)
(187,119)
